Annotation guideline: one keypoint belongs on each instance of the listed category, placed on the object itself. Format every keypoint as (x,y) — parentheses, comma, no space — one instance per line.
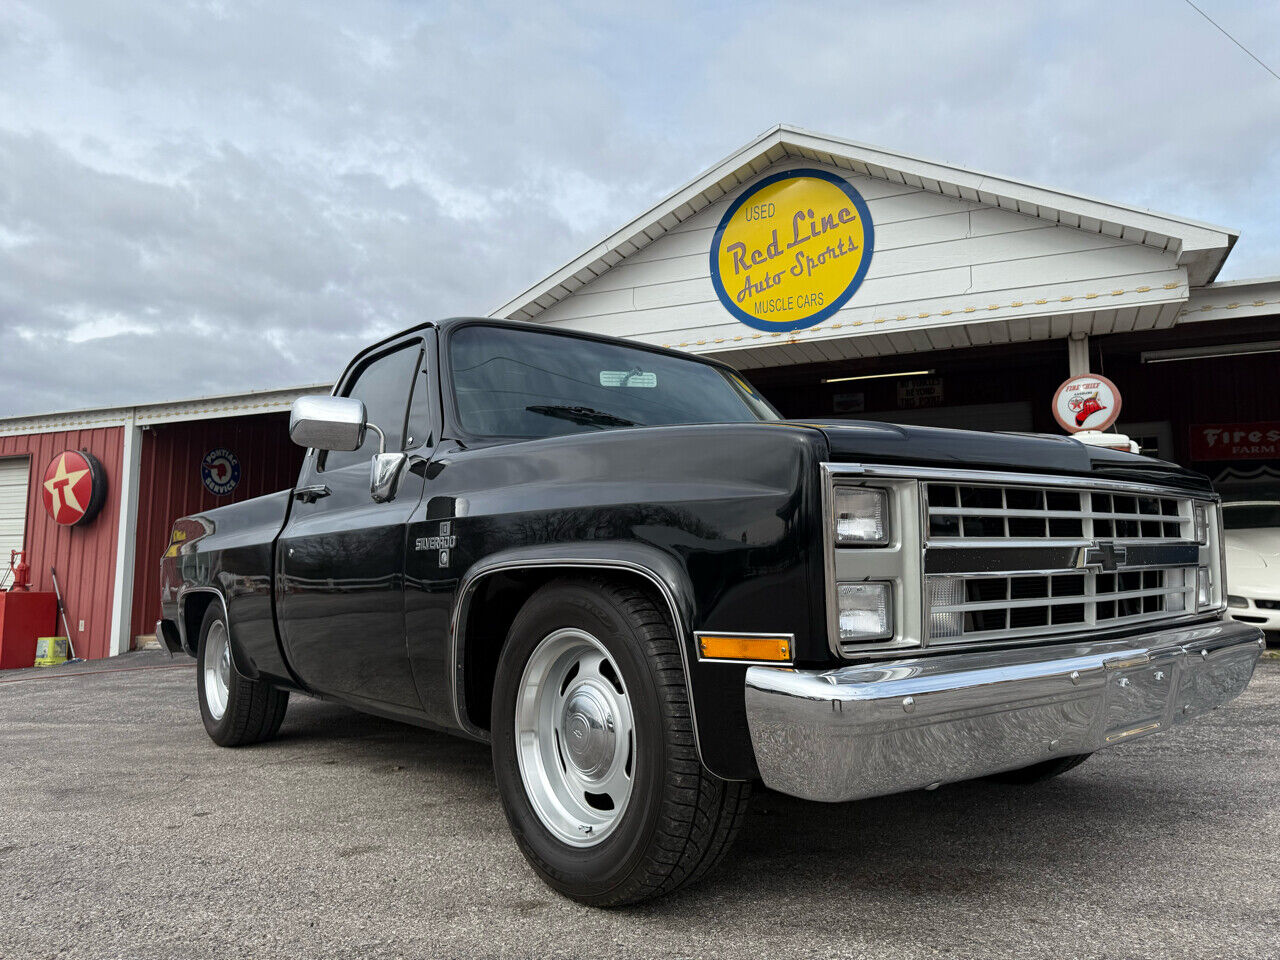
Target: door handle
(312,493)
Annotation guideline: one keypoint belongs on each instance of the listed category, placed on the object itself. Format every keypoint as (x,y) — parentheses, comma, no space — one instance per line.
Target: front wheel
(235,710)
(593,748)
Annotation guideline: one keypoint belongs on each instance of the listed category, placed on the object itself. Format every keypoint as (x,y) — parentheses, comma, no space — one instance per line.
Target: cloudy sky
(206,197)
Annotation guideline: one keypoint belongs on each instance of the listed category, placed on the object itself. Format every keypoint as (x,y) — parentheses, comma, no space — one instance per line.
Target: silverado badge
(444,542)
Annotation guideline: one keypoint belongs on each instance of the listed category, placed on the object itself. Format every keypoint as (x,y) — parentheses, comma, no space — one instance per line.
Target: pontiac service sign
(792,250)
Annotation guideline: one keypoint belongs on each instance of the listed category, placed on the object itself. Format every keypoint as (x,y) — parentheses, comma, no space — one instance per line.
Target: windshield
(1251,514)
(521,383)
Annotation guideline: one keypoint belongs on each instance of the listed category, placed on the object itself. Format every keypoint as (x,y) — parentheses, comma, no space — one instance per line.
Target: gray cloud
(204,197)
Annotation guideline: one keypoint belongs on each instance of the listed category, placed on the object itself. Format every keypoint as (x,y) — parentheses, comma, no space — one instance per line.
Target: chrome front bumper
(864,731)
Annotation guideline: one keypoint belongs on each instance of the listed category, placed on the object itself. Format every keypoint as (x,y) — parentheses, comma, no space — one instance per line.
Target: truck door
(341,557)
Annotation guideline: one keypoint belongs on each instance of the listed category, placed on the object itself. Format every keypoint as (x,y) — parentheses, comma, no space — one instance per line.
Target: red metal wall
(1239,389)
(171,486)
(85,556)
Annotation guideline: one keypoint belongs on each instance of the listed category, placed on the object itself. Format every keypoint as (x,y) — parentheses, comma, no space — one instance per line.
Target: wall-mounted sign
(1088,402)
(792,250)
(220,471)
(849,402)
(1236,441)
(73,488)
(920,392)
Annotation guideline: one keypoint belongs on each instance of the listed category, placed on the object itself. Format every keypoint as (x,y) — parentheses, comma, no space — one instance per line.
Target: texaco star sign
(73,487)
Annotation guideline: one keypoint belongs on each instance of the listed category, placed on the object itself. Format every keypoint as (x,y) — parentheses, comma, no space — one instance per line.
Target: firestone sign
(792,250)
(1088,402)
(1236,441)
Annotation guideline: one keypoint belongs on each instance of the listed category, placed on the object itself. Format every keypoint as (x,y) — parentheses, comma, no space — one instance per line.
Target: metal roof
(170,411)
(1258,297)
(1200,247)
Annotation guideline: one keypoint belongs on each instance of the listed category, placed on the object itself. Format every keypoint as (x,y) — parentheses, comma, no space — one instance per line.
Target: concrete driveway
(124,832)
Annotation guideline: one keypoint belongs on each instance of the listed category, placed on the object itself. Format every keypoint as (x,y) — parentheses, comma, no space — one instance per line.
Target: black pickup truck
(622,569)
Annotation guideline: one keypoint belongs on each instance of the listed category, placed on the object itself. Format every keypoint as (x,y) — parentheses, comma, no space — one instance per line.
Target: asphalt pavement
(125,832)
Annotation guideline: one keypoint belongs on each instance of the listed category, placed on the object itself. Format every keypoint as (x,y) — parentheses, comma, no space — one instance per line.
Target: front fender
(664,572)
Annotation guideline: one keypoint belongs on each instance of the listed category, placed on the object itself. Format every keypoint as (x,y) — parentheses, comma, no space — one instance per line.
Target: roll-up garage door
(13,507)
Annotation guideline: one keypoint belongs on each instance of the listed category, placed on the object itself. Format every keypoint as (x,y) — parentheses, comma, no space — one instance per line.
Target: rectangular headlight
(861,516)
(865,611)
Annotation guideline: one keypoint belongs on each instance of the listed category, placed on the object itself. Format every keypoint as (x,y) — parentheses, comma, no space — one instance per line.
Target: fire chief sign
(1088,402)
(73,488)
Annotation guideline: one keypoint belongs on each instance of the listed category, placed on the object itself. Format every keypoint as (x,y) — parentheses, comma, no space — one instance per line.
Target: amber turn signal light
(744,646)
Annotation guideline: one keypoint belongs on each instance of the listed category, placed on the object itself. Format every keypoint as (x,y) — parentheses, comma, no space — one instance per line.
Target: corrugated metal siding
(84,557)
(1238,389)
(170,486)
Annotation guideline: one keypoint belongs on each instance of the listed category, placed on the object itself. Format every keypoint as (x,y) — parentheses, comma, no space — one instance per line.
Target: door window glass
(383,384)
(419,430)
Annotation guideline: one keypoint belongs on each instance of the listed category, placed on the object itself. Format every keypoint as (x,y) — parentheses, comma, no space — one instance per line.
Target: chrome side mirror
(328,423)
(384,477)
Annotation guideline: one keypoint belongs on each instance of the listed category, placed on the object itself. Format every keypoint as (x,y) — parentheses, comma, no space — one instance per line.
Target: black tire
(680,819)
(1039,772)
(254,710)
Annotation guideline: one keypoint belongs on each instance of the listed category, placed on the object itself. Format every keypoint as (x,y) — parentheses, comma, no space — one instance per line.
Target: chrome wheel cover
(217,670)
(575,737)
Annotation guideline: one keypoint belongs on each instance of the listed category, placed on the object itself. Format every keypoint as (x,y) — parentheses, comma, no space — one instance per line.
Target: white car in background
(1253,563)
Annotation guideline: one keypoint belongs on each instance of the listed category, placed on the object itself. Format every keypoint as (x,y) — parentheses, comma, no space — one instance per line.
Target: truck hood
(853,441)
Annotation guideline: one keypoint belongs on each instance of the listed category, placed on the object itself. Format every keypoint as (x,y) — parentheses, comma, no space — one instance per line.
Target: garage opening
(14,472)
(197,465)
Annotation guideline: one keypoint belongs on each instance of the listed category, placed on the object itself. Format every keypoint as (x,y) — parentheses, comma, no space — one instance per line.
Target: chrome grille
(977,511)
(995,606)
(1008,560)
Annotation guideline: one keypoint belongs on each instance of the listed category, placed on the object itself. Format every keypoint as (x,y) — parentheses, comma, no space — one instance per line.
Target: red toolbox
(24,617)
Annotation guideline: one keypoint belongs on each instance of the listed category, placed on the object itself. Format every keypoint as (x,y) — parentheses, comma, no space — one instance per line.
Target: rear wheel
(235,710)
(1039,772)
(593,748)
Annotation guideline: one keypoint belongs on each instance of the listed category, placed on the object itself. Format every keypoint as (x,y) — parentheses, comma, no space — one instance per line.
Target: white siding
(940,265)
(13,506)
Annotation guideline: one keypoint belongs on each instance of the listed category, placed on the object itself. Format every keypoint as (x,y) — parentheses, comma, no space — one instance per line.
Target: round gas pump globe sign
(73,487)
(792,250)
(1088,402)
(220,471)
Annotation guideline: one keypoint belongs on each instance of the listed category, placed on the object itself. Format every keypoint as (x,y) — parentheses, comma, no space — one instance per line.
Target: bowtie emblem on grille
(1105,555)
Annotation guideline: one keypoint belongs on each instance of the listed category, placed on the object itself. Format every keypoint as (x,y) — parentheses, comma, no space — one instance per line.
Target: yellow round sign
(792,250)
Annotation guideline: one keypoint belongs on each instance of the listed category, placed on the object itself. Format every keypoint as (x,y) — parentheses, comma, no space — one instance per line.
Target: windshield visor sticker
(627,378)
